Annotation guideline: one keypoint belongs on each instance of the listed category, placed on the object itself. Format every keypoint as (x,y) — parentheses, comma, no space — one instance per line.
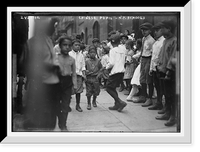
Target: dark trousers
(111,85)
(63,107)
(40,113)
(167,88)
(156,82)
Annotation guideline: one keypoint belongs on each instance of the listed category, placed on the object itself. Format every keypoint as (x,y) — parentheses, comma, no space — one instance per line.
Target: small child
(80,71)
(129,64)
(104,61)
(68,79)
(93,66)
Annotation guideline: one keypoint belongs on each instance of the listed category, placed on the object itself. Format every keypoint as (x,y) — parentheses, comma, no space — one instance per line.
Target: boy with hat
(167,51)
(154,61)
(116,67)
(146,53)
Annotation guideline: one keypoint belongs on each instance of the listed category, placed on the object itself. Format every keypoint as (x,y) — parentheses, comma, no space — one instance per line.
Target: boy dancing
(116,67)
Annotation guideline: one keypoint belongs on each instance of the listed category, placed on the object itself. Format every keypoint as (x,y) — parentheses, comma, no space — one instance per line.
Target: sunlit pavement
(133,118)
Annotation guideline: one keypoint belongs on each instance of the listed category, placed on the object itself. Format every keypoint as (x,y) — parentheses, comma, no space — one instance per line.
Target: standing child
(104,62)
(68,80)
(80,70)
(93,66)
(129,64)
(146,53)
(135,81)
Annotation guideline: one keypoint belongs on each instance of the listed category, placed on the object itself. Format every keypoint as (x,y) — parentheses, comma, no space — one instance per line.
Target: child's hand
(75,90)
(150,72)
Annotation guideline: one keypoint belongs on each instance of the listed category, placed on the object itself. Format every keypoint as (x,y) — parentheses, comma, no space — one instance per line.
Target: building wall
(83,25)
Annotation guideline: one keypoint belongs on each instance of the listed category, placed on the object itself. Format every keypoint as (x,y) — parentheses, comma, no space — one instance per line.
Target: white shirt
(156,50)
(105,60)
(116,60)
(147,45)
(79,60)
(109,45)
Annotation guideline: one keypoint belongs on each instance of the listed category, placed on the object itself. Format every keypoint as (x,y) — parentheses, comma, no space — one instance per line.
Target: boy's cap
(158,25)
(146,25)
(115,38)
(95,40)
(91,47)
(168,24)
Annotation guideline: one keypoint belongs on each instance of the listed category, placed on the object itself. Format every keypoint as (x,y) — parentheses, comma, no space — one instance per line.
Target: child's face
(96,44)
(76,46)
(66,46)
(158,33)
(92,53)
(123,40)
(165,31)
(145,32)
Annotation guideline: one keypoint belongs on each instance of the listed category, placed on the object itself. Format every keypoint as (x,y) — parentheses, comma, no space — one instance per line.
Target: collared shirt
(67,67)
(116,60)
(79,60)
(167,50)
(147,45)
(156,50)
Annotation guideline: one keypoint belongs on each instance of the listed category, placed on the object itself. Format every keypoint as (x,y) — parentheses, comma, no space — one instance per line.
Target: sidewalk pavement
(133,118)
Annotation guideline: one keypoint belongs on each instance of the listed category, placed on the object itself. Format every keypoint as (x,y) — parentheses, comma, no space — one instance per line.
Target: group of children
(142,64)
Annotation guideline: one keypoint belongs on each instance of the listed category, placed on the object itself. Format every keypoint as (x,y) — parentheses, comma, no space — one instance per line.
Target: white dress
(136,76)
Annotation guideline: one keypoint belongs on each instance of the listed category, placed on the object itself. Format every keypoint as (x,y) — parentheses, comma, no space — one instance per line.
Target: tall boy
(80,70)
(146,52)
(154,62)
(68,79)
(116,67)
(169,49)
(93,66)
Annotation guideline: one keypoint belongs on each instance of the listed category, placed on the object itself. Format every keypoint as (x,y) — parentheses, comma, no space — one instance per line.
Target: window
(96,30)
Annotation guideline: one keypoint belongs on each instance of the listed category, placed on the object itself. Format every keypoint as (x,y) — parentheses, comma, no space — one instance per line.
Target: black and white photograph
(96,72)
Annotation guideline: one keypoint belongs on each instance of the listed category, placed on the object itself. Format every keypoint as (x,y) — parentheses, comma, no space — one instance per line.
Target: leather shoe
(94,104)
(78,108)
(147,103)
(166,116)
(122,105)
(115,107)
(141,99)
(89,107)
(155,107)
(162,111)
(170,123)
